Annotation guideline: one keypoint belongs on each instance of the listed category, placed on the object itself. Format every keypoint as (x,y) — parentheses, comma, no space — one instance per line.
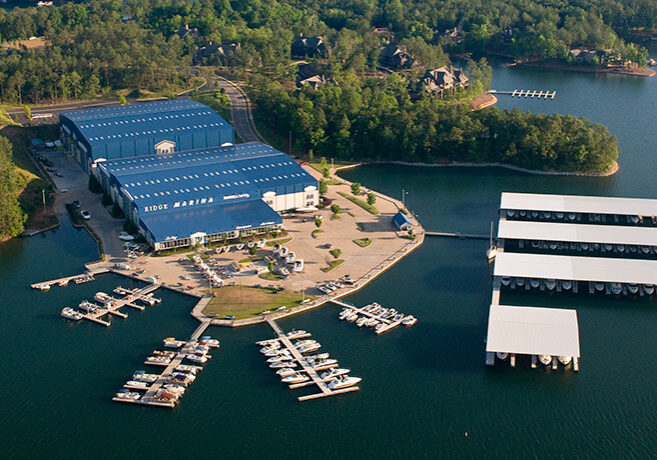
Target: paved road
(240,111)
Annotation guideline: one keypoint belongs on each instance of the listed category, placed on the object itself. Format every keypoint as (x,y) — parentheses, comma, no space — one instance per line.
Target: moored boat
(501,355)
(565,360)
(545,359)
(409,320)
(344,381)
(69,313)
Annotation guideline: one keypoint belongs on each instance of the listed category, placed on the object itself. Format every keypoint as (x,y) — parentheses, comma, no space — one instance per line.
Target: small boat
(550,284)
(276,352)
(553,246)
(572,216)
(409,320)
(282,253)
(309,348)
(545,359)
(280,358)
(633,219)
(283,364)
(125,236)
(616,288)
(290,258)
(88,306)
(63,283)
(305,342)
(102,297)
(333,373)
(523,213)
(270,347)
(645,249)
(361,321)
(492,249)
(250,244)
(632,248)
(585,247)
(633,288)
(131,395)
(171,342)
(351,318)
(648,289)
(285,371)
(295,378)
(260,244)
(534,283)
(295,333)
(267,343)
(547,215)
(599,286)
(506,281)
(158,359)
(566,285)
(240,246)
(197,359)
(142,376)
(520,282)
(510,213)
(322,363)
(344,381)
(608,247)
(620,248)
(346,279)
(277,249)
(398,317)
(501,355)
(565,360)
(136,383)
(209,341)
(317,357)
(168,354)
(558,215)
(298,265)
(186,368)
(379,328)
(69,313)
(42,287)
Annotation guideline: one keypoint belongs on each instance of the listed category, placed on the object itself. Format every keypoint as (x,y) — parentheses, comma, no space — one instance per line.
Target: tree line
(380,119)
(12,218)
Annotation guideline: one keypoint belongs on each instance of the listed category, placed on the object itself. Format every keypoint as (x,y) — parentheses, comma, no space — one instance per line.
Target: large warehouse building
(205,195)
(110,133)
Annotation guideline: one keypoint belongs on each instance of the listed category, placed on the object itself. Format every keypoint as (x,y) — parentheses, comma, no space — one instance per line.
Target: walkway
(240,109)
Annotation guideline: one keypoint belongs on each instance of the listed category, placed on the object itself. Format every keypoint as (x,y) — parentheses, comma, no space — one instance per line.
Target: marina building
(213,194)
(126,131)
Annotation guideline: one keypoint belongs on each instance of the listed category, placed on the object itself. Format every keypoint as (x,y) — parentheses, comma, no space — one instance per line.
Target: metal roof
(240,171)
(130,122)
(400,219)
(219,218)
(573,268)
(575,203)
(533,331)
(580,233)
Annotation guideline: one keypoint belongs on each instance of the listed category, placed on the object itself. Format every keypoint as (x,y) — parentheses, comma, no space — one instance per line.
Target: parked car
(76,204)
(85,215)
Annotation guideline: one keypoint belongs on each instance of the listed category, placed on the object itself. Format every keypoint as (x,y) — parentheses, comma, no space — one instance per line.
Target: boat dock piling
(149,397)
(306,368)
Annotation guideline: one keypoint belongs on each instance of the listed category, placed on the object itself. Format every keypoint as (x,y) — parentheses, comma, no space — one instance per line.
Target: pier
(470,236)
(84,277)
(113,305)
(389,323)
(527,93)
(164,378)
(312,373)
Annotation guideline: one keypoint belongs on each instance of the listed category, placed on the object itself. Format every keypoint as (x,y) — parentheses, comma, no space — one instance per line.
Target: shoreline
(613,170)
(640,72)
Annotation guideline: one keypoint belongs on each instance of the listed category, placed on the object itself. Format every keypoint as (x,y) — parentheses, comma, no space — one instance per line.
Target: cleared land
(247,301)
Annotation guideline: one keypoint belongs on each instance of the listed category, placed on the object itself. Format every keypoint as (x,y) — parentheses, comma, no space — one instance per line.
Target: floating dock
(148,398)
(389,323)
(312,373)
(114,305)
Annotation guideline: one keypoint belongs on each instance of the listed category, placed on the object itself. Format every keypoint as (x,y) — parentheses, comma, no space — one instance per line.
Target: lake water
(423,388)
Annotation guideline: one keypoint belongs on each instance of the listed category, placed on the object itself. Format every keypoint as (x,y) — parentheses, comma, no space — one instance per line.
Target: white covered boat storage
(577,233)
(575,268)
(548,333)
(578,204)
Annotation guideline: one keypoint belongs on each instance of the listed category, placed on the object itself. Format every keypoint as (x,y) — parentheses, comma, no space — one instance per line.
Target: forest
(12,218)
(378,120)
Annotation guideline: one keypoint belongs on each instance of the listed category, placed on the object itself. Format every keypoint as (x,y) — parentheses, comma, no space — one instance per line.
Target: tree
(122,99)
(12,218)
(371,198)
(270,266)
(318,223)
(253,251)
(355,188)
(335,253)
(28,112)
(335,209)
(323,187)
(322,163)
(326,173)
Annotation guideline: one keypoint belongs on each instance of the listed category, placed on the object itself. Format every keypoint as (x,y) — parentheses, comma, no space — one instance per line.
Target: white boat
(102,297)
(501,355)
(295,378)
(322,363)
(317,357)
(380,327)
(87,306)
(197,359)
(534,283)
(565,360)
(142,376)
(633,288)
(344,381)
(210,341)
(645,249)
(506,281)
(585,247)
(260,244)
(136,383)
(353,317)
(270,347)
(333,373)
(545,359)
(42,287)
(409,320)
(295,333)
(305,342)
(125,236)
(572,216)
(550,284)
(633,219)
(285,371)
(277,352)
(599,286)
(280,358)
(309,348)
(277,249)
(158,359)
(616,288)
(361,321)
(298,265)
(266,343)
(186,368)
(343,315)
(290,258)
(558,215)
(69,313)
(566,285)
(620,248)
(250,244)
(282,253)
(520,282)
(510,213)
(283,364)
(239,246)
(170,342)
(648,289)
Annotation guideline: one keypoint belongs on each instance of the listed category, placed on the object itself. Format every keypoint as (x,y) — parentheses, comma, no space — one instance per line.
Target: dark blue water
(423,388)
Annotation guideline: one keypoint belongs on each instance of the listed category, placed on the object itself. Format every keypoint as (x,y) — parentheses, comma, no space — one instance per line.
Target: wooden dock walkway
(68,279)
(148,398)
(527,93)
(114,305)
(390,324)
(312,373)
(470,236)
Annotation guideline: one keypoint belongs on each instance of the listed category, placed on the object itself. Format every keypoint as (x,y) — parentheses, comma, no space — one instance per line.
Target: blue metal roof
(219,218)
(400,219)
(206,176)
(128,130)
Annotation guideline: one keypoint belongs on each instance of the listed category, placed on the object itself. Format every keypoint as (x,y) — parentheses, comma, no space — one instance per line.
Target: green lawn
(248,301)
(270,276)
(281,241)
(332,264)
(363,242)
(362,203)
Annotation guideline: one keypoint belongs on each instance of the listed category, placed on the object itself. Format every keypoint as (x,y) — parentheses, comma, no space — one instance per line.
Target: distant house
(592,57)
(314,82)
(186,31)
(395,57)
(402,222)
(303,46)
(444,80)
(216,54)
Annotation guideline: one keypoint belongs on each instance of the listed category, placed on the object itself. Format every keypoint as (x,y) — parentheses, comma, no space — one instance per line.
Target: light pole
(404,193)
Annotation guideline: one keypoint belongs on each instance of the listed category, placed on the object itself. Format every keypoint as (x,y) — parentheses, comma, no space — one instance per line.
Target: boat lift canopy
(576,203)
(533,331)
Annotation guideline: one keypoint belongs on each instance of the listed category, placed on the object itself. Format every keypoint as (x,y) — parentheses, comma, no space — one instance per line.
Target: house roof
(578,203)
(219,218)
(400,219)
